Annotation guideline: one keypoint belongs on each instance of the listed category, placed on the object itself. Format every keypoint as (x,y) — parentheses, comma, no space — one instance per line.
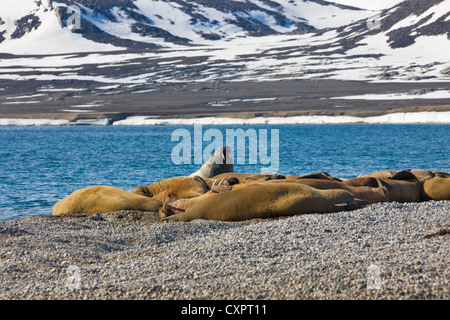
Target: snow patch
(438,94)
(32,122)
(394,118)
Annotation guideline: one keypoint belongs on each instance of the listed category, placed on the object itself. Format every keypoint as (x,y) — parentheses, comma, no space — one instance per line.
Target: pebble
(133,255)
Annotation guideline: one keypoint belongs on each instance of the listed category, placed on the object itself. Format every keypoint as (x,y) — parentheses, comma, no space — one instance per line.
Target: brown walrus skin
(396,190)
(319,175)
(253,177)
(104,199)
(420,174)
(369,194)
(265,200)
(244,177)
(436,189)
(365,190)
(191,188)
(155,188)
(181,184)
(185,189)
(432,184)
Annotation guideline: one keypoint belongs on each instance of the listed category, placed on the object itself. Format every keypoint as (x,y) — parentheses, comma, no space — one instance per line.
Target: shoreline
(421,117)
(133,255)
(85,103)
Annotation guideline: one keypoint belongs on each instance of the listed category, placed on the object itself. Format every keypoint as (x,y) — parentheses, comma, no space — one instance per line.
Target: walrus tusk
(175,217)
(159,184)
(213,183)
(172,208)
(219,189)
(341,204)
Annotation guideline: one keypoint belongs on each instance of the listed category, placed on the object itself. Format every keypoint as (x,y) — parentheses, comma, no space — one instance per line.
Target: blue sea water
(40,165)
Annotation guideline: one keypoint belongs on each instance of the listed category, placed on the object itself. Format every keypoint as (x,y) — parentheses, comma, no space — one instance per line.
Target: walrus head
(185,189)
(263,177)
(220,162)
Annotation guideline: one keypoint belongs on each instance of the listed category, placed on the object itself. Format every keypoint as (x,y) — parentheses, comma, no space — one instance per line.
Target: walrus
(424,175)
(263,200)
(238,175)
(319,175)
(191,188)
(186,190)
(421,174)
(244,177)
(436,189)
(385,174)
(98,199)
(157,187)
(220,162)
(370,194)
(395,190)
(263,177)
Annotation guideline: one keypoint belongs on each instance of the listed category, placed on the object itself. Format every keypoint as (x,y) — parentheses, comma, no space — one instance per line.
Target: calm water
(40,165)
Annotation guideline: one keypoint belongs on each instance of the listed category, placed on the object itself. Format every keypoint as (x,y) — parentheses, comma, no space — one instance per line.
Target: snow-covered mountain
(151,41)
(143,24)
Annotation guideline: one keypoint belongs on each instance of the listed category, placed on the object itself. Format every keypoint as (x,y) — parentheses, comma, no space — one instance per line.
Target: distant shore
(390,118)
(387,251)
(41,102)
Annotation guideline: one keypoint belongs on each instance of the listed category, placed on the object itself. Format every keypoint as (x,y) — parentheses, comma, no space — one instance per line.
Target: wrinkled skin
(396,190)
(98,199)
(436,189)
(246,177)
(364,195)
(189,188)
(158,187)
(263,200)
(240,196)
(418,174)
(368,194)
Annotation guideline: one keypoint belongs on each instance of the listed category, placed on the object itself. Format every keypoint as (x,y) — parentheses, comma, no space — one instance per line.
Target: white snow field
(393,118)
(265,58)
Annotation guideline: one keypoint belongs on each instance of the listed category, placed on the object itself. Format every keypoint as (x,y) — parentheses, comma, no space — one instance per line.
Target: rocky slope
(87,56)
(141,23)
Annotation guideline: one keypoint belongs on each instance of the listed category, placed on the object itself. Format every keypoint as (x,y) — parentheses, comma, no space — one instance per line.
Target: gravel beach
(383,251)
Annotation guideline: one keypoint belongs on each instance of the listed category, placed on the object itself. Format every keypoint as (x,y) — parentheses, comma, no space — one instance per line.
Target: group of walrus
(216,192)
